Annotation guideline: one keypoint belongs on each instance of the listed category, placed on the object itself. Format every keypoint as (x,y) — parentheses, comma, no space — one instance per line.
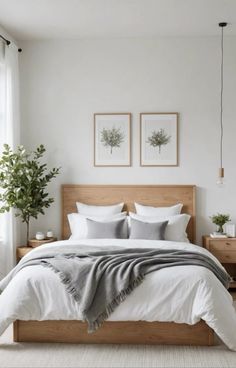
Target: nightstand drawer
(22,251)
(225,256)
(224,250)
(215,245)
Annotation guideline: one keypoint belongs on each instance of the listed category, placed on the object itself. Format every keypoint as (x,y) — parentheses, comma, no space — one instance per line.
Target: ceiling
(71,19)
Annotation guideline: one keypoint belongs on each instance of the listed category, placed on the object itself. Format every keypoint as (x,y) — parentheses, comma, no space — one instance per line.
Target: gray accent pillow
(146,230)
(107,230)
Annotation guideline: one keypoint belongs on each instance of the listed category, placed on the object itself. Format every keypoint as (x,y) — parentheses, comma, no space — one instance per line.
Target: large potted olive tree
(24,179)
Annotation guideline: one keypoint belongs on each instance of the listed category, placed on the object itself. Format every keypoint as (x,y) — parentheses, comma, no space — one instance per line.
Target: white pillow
(175,229)
(90,210)
(78,223)
(158,211)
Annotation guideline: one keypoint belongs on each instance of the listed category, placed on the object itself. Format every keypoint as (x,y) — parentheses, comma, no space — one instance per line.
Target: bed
(136,331)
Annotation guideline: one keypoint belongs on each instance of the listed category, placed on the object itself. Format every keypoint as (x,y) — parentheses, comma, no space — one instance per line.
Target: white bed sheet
(182,294)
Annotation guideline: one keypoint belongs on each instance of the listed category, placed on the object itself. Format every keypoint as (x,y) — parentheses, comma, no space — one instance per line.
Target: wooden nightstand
(23,250)
(224,249)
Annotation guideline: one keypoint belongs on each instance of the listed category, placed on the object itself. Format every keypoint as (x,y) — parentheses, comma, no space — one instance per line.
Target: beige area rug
(69,355)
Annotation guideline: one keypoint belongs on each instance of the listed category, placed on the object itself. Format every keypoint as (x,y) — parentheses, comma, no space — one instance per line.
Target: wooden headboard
(152,195)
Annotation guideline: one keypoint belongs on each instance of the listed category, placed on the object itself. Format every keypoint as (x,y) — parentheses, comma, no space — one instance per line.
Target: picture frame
(112,139)
(159,139)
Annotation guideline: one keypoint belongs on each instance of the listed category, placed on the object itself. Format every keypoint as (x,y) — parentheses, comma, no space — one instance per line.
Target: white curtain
(9,133)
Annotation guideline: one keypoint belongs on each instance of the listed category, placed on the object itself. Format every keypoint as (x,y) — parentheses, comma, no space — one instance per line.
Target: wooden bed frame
(128,332)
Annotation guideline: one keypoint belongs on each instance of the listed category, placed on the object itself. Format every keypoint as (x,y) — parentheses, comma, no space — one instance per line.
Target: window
(2,100)
(9,133)
(2,124)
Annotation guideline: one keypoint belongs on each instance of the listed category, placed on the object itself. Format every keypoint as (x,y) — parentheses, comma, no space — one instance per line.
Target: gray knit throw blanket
(99,279)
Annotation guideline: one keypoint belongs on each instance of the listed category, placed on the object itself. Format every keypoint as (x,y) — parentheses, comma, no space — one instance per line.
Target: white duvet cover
(182,294)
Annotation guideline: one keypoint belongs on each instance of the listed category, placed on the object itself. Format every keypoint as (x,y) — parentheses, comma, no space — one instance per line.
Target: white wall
(64,82)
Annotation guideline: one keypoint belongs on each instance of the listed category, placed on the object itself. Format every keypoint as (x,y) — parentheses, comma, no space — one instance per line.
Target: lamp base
(221,172)
(220,181)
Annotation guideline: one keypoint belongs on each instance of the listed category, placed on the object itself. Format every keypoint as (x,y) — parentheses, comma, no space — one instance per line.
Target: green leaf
(24,179)
(220,219)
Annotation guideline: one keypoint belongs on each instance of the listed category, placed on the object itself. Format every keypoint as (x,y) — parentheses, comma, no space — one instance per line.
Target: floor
(69,355)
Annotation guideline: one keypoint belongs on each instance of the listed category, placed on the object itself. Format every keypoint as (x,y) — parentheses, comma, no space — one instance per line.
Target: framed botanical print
(159,139)
(112,139)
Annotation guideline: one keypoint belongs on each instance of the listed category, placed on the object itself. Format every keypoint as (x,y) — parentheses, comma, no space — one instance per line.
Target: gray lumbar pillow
(149,231)
(107,230)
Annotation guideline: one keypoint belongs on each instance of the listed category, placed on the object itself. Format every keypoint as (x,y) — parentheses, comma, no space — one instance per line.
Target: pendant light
(220,180)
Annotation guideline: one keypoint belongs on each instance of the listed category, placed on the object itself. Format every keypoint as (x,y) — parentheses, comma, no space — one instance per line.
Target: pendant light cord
(221,99)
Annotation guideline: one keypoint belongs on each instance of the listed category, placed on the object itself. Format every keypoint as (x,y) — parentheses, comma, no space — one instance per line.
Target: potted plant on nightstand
(220,220)
(24,180)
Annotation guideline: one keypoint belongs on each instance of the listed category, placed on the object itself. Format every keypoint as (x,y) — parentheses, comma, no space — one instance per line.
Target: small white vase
(49,234)
(39,235)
